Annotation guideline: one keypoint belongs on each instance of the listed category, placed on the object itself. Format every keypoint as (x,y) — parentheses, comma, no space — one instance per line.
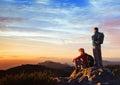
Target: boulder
(89,76)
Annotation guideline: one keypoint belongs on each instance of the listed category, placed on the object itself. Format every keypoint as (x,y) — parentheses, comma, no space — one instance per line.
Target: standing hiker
(97,40)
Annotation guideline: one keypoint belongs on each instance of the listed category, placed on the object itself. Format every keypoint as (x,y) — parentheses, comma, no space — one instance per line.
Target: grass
(42,78)
(115,69)
(36,78)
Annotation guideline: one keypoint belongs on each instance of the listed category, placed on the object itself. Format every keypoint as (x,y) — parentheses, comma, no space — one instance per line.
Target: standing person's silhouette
(97,40)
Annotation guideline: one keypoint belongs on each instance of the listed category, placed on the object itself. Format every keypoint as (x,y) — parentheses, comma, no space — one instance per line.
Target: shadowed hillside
(46,73)
(56,68)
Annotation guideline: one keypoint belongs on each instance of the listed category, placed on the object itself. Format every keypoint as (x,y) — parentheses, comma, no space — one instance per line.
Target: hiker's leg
(75,64)
(95,53)
(78,65)
(100,56)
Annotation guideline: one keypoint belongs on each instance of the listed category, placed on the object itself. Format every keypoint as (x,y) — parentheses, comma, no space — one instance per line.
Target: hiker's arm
(93,42)
(76,58)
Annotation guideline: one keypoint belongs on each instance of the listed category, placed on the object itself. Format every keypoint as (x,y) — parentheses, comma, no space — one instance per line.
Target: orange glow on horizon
(15,52)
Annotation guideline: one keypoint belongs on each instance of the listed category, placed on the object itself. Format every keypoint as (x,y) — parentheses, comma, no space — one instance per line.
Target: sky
(35,30)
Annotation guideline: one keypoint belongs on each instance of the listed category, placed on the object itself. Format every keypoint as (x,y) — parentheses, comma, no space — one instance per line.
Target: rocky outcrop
(89,76)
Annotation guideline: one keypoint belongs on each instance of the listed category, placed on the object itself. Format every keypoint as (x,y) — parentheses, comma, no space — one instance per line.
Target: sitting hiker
(81,60)
(84,60)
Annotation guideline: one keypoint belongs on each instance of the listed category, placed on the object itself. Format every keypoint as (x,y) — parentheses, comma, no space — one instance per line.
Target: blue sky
(66,17)
(61,22)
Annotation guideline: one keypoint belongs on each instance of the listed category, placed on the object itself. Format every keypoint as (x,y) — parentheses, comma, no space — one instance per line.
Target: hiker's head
(81,50)
(96,29)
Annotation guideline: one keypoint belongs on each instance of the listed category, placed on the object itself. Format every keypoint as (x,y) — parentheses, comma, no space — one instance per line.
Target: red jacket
(83,57)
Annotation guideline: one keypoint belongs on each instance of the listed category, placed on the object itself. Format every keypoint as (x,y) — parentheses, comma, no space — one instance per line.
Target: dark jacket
(95,39)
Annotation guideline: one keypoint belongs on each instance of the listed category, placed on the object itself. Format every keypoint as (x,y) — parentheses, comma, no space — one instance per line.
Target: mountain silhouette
(87,76)
(105,62)
(57,68)
(55,65)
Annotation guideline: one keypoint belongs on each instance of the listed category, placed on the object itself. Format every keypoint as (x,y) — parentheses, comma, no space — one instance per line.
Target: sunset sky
(35,30)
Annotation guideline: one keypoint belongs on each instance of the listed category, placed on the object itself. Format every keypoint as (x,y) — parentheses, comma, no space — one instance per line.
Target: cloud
(51,22)
(112,23)
(43,1)
(1,57)
(5,21)
(108,18)
(111,27)
(44,19)
(106,8)
(45,25)
(10,19)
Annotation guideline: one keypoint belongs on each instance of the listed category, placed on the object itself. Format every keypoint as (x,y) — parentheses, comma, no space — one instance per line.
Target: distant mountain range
(55,67)
(110,62)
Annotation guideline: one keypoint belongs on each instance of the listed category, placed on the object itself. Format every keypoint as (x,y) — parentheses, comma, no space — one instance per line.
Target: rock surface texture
(89,76)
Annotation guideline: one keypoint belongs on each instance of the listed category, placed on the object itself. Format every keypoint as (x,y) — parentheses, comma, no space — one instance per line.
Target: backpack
(90,61)
(100,38)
